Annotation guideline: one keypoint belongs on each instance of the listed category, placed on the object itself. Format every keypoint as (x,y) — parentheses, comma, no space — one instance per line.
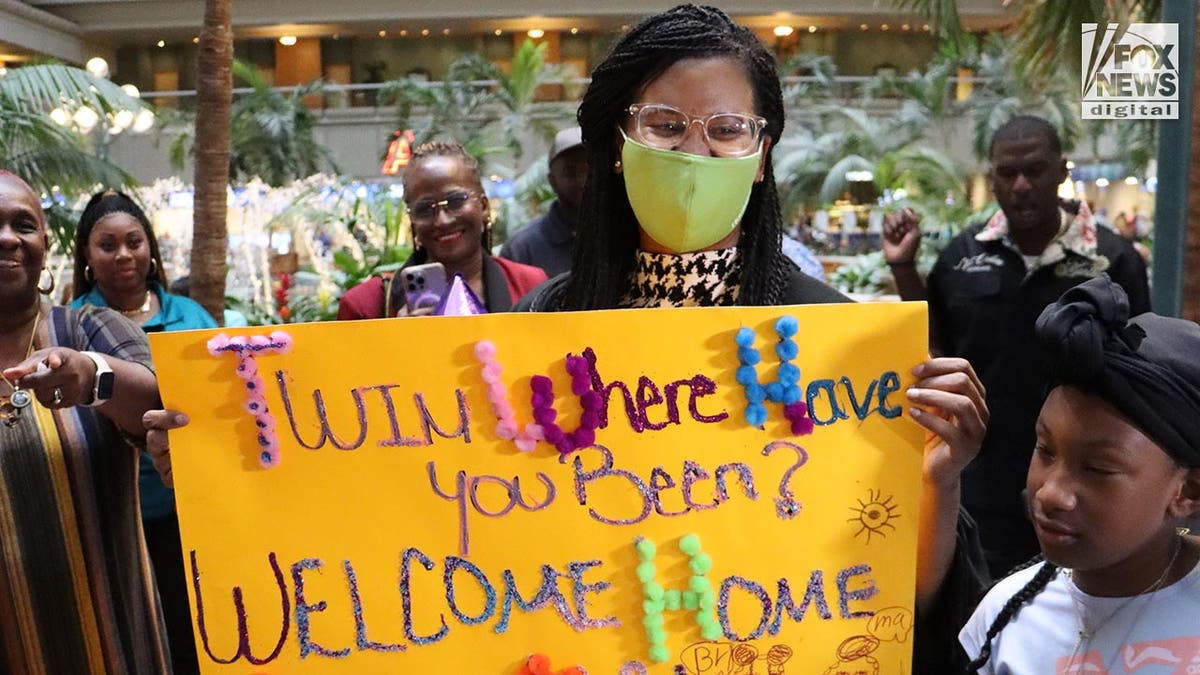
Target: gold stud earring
(617,166)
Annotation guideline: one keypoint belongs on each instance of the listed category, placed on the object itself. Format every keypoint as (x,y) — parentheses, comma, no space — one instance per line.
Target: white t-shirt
(1153,634)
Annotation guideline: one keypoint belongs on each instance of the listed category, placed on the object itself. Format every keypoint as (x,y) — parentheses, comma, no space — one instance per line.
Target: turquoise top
(175,313)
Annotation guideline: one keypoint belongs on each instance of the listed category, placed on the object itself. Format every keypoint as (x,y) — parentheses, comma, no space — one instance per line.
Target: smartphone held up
(424,286)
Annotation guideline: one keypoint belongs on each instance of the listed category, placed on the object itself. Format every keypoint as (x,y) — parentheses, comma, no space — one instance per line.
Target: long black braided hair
(1010,609)
(607,235)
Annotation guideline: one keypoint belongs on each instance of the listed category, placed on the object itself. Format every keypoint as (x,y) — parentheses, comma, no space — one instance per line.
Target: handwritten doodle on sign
(875,515)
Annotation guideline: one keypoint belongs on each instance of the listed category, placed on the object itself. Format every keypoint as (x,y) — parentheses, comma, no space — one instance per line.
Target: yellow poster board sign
(393,530)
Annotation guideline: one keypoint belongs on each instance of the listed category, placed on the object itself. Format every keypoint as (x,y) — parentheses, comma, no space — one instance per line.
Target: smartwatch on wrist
(103,388)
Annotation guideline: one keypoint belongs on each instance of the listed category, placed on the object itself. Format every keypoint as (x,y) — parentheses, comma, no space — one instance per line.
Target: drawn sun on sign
(875,514)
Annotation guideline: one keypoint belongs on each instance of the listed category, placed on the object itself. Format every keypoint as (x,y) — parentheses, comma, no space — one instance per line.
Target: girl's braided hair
(1007,613)
(607,236)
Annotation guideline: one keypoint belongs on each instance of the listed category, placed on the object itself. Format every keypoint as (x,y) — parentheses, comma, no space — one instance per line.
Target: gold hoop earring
(153,271)
(46,291)
(88,275)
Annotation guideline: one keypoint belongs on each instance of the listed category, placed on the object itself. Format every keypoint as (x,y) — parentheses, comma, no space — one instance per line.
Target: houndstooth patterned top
(700,279)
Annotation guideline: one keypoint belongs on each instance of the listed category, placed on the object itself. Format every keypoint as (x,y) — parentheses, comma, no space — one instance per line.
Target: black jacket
(936,648)
(983,306)
(801,290)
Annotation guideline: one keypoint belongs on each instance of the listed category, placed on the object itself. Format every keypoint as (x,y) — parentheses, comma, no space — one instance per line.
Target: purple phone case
(424,285)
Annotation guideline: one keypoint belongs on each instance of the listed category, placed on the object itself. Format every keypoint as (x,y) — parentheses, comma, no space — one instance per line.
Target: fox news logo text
(1130,73)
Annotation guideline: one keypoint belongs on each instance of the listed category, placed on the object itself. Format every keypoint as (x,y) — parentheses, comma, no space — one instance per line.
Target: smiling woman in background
(117,265)
(451,225)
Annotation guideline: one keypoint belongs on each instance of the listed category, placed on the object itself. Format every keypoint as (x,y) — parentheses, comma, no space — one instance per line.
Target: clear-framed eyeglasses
(425,211)
(727,134)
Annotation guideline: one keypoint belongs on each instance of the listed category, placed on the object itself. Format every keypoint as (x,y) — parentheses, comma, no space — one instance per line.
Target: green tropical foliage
(867,273)
(813,160)
(1026,72)
(387,256)
(515,93)
(1007,92)
(48,155)
(943,16)
(377,227)
(813,82)
(178,128)
(52,157)
(532,195)
(452,109)
(1047,34)
(879,129)
(271,132)
(476,104)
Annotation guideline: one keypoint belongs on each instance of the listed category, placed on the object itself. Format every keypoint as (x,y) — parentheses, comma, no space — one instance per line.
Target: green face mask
(686,202)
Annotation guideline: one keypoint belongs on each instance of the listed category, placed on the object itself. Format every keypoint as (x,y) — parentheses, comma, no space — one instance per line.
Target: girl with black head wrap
(1116,467)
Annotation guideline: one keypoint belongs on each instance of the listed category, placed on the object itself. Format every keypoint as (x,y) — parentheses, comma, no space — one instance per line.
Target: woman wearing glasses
(681,210)
(681,207)
(451,225)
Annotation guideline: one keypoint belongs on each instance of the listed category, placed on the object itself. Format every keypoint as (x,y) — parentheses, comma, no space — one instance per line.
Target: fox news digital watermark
(1131,73)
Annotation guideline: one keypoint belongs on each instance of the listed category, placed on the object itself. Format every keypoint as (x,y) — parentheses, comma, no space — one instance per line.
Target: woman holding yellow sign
(681,210)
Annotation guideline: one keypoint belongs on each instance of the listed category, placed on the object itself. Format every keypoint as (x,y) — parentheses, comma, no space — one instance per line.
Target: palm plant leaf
(929,171)
(1008,93)
(179,128)
(47,155)
(529,71)
(272,132)
(835,182)
(476,104)
(818,82)
(1047,33)
(40,88)
(943,16)
(70,170)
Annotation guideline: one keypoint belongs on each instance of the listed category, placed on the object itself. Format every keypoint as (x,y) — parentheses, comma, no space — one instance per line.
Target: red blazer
(504,282)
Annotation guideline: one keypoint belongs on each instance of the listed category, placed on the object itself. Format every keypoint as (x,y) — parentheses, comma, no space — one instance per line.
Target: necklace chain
(140,310)
(1085,634)
(11,405)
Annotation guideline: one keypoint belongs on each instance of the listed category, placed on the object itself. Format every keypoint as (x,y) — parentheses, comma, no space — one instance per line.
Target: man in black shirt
(986,291)
(548,241)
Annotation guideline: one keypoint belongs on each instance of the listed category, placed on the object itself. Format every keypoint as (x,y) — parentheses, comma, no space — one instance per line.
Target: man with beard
(548,241)
(985,293)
